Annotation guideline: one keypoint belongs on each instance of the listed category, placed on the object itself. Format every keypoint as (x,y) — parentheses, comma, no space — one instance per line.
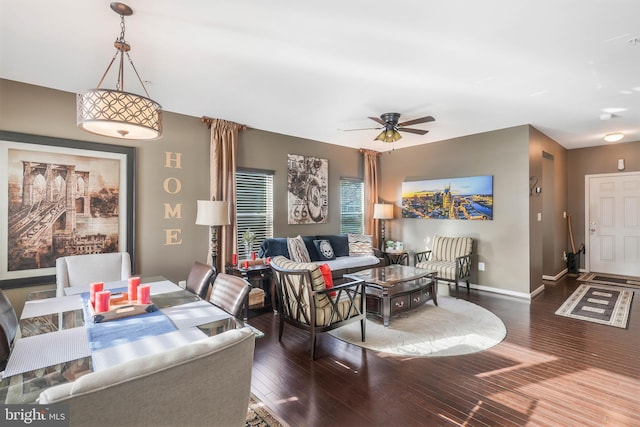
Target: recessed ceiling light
(613,137)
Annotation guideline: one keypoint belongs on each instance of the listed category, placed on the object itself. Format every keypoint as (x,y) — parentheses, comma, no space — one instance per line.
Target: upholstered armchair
(450,258)
(306,303)
(80,270)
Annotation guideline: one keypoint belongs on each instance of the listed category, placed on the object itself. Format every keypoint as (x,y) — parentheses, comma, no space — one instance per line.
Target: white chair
(84,269)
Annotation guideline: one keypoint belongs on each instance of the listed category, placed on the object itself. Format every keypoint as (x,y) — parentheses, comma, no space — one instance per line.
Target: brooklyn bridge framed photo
(61,197)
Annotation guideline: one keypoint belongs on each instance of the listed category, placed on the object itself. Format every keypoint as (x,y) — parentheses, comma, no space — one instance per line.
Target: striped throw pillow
(360,245)
(297,249)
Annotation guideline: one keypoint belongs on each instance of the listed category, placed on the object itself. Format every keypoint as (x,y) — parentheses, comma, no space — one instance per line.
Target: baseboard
(506,292)
(556,277)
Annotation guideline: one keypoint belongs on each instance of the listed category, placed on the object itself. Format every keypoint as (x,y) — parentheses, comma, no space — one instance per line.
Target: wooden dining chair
(230,293)
(199,279)
(8,328)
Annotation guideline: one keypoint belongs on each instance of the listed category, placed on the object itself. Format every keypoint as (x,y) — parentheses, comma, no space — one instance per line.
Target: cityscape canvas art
(467,198)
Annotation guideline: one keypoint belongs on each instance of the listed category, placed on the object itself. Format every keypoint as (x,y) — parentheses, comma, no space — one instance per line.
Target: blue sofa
(339,242)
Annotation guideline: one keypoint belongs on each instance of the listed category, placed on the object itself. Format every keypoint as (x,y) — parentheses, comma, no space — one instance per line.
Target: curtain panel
(371,193)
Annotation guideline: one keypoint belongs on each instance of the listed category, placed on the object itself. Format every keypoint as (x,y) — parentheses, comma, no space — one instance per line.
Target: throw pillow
(297,249)
(328,278)
(325,250)
(360,245)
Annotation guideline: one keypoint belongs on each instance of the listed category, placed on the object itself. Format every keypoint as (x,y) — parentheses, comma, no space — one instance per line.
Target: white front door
(613,223)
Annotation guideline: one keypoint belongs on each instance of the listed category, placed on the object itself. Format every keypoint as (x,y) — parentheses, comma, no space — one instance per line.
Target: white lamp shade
(213,212)
(382,211)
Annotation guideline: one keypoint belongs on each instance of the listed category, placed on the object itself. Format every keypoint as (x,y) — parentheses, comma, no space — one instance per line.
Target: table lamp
(213,213)
(383,212)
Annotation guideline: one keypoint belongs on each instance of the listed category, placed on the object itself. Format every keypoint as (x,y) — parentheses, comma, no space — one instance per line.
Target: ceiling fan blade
(416,121)
(349,130)
(416,131)
(378,120)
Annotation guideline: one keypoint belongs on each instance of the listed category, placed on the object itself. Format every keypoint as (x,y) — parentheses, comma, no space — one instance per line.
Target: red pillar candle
(246,264)
(144,294)
(102,301)
(253,256)
(93,288)
(234,259)
(134,282)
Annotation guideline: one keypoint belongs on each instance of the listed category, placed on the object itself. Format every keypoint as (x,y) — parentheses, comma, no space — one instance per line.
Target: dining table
(58,340)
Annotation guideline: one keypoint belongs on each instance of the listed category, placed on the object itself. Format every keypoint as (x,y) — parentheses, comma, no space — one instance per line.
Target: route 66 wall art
(308,196)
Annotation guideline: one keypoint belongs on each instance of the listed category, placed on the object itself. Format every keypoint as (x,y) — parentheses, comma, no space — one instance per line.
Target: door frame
(587,195)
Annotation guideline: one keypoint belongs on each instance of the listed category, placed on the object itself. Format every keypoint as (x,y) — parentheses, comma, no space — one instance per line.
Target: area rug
(258,415)
(600,304)
(452,328)
(610,279)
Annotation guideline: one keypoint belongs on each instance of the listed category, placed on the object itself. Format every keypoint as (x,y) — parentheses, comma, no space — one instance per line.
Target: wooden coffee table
(396,288)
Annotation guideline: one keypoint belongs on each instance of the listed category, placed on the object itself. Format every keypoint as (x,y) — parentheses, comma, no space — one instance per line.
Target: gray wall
(266,150)
(502,244)
(547,163)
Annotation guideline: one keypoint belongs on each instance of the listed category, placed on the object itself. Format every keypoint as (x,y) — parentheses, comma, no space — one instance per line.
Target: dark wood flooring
(549,371)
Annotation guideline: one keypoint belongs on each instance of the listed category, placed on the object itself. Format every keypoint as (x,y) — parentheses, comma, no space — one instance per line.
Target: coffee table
(396,288)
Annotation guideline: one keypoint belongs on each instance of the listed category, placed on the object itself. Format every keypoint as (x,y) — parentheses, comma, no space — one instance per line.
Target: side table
(397,257)
(259,276)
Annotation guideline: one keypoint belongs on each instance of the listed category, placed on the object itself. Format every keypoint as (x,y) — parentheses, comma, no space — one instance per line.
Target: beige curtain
(371,193)
(222,168)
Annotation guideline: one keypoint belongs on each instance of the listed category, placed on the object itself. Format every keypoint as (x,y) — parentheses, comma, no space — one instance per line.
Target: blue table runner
(125,330)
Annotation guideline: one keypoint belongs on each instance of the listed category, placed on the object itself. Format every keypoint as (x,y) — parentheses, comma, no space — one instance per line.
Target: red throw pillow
(328,279)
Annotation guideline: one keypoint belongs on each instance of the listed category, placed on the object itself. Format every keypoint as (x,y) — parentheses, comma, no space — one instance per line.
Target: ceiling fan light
(388,135)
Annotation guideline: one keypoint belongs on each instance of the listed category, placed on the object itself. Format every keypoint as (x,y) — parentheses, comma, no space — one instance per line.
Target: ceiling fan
(391,127)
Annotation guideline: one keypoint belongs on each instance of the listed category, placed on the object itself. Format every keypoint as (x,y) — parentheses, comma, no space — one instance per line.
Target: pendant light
(116,113)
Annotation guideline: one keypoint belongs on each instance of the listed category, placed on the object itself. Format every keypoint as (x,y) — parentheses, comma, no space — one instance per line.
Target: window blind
(254,208)
(351,206)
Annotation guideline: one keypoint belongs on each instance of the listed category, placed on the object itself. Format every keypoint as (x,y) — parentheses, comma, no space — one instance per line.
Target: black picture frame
(46,154)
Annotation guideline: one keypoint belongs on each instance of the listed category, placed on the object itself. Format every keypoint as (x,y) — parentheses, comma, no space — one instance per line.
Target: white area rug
(452,328)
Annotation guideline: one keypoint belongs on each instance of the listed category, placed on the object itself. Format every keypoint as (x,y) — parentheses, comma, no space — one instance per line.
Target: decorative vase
(248,249)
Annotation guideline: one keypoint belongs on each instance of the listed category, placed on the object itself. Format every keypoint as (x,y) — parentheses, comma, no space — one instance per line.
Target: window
(351,206)
(254,207)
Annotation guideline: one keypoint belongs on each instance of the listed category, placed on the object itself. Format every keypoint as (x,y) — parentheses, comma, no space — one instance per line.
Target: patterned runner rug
(258,415)
(600,304)
(610,279)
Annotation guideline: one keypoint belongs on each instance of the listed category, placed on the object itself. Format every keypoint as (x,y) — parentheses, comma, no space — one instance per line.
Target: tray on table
(119,307)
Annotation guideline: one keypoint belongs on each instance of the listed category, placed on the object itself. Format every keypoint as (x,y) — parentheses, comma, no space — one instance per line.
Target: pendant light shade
(119,114)
(116,113)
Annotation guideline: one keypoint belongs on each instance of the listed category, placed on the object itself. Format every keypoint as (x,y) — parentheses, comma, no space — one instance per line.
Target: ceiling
(313,69)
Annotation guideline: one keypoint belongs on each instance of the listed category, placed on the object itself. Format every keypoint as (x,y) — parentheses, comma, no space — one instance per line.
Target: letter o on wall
(172,185)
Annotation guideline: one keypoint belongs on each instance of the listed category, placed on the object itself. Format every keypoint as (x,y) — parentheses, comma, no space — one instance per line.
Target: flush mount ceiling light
(116,113)
(614,137)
